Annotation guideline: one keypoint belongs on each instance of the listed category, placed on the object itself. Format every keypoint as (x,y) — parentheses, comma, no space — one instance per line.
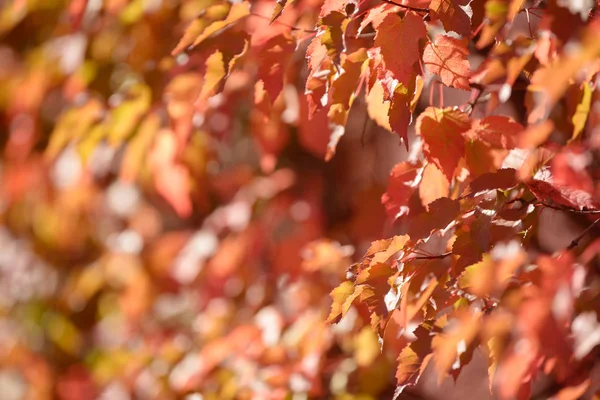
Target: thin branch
(362,35)
(571,210)
(575,241)
(438,257)
(364,128)
(415,9)
(529,23)
(292,27)
(473,103)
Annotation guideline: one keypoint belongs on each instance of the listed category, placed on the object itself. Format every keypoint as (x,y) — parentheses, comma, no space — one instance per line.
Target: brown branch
(362,35)
(575,241)
(571,210)
(292,27)
(438,257)
(415,9)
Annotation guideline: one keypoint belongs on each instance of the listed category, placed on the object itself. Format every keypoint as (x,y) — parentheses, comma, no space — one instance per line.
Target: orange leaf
(401,186)
(343,296)
(433,185)
(447,58)
(215,72)
(442,133)
(400,60)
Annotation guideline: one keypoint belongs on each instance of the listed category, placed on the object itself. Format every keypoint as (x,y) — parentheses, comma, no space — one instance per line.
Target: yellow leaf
(125,117)
(342,296)
(73,125)
(582,111)
(215,72)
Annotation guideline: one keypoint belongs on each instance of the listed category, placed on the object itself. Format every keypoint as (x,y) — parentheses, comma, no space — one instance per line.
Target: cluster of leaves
(464,273)
(164,209)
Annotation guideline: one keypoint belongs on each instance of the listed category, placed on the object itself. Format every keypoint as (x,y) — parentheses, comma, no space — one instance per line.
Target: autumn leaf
(447,58)
(401,186)
(496,13)
(391,248)
(536,134)
(343,296)
(237,12)
(72,125)
(434,185)
(550,83)
(172,179)
(215,72)
(280,5)
(197,26)
(413,360)
(274,56)
(480,158)
(400,61)
(580,115)
(317,83)
(125,117)
(453,15)
(497,131)
(133,160)
(399,114)
(344,87)
(454,342)
(502,179)
(376,15)
(440,214)
(442,133)
(377,108)
(547,191)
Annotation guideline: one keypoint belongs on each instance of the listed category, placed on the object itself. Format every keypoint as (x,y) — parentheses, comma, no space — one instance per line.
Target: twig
(473,103)
(571,210)
(415,9)
(292,27)
(575,241)
(362,35)
(438,257)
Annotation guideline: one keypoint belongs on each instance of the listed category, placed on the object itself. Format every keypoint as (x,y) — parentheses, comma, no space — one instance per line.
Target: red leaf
(545,189)
(330,6)
(441,213)
(501,179)
(413,360)
(274,56)
(400,59)
(401,186)
(442,133)
(453,16)
(498,131)
(480,159)
(447,58)
(399,114)
(376,15)
(172,180)
(569,169)
(319,66)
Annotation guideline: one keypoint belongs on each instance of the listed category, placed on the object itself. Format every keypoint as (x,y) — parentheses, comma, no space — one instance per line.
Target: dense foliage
(196,199)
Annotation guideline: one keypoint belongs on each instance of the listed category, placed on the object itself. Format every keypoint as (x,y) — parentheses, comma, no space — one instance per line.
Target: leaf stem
(575,241)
